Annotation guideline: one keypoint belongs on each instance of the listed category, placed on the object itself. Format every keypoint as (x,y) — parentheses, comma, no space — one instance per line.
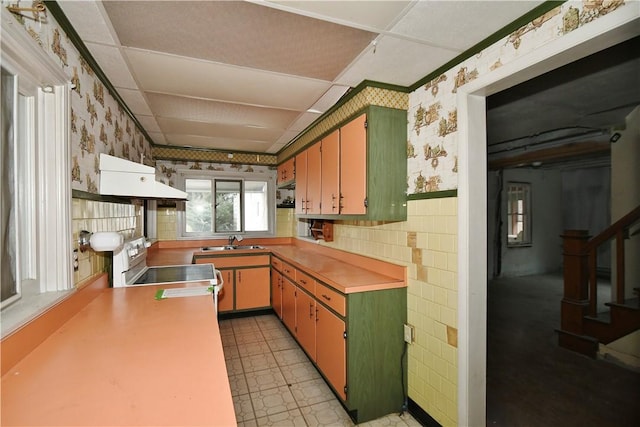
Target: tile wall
(95,216)
(427,244)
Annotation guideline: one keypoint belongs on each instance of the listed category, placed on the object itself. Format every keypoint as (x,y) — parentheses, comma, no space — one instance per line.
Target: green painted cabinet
(355,340)
(372,165)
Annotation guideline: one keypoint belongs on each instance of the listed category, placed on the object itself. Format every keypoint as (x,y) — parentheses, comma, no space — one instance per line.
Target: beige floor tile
(272,401)
(250,423)
(234,366)
(309,393)
(299,372)
(230,352)
(268,322)
(258,362)
(265,379)
(292,418)
(249,337)
(238,384)
(276,333)
(329,413)
(290,357)
(243,407)
(252,348)
(284,343)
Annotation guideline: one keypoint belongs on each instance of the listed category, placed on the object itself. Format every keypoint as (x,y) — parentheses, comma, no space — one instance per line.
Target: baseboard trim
(421,415)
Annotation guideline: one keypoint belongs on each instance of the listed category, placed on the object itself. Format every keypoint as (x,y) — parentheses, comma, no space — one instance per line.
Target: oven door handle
(217,287)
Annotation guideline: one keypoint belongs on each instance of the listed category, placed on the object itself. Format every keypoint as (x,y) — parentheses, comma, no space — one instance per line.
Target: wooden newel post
(576,292)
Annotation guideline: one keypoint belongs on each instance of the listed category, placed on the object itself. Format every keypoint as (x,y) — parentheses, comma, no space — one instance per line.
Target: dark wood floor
(533,382)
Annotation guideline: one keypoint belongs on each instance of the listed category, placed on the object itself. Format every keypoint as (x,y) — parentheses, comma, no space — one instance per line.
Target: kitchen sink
(231,247)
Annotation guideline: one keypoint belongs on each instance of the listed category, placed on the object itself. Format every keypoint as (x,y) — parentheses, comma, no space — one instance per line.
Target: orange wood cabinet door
(253,288)
(331,354)
(306,322)
(353,167)
(286,171)
(276,292)
(225,297)
(301,182)
(314,193)
(330,173)
(289,304)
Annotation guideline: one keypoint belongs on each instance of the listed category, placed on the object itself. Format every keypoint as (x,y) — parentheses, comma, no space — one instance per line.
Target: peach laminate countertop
(346,272)
(125,359)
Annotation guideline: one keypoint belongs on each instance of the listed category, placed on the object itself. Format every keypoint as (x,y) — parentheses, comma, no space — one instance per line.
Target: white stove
(130,268)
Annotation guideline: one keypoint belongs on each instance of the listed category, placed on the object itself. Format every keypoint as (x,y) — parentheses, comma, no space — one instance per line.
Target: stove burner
(177,273)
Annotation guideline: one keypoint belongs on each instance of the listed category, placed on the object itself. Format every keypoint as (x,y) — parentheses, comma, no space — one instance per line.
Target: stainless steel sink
(231,247)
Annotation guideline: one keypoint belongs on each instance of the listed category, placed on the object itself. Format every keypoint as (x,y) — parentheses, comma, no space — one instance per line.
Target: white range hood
(120,177)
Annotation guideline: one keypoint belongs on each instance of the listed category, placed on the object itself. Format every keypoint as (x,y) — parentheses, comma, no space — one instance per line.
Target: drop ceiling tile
(149,123)
(158,138)
(418,60)
(240,33)
(377,15)
(216,143)
(88,19)
(113,64)
(455,24)
(188,77)
(173,126)
(303,121)
(203,110)
(330,98)
(135,101)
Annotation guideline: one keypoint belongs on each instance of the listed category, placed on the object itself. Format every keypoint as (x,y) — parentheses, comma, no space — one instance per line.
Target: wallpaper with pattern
(98,123)
(432,146)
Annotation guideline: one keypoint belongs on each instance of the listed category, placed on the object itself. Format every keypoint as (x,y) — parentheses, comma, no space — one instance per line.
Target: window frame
(45,251)
(214,176)
(526,214)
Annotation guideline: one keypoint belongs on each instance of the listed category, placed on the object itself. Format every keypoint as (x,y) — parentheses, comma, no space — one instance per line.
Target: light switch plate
(408,333)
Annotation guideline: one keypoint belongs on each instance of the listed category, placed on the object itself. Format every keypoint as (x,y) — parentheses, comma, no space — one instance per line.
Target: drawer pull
(310,309)
(328,298)
(304,282)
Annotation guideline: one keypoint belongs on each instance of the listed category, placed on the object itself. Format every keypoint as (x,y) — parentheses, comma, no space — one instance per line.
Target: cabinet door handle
(328,298)
(317,315)
(304,282)
(310,309)
(239,276)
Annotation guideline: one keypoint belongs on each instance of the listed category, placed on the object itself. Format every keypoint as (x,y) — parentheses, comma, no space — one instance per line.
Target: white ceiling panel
(389,49)
(158,138)
(135,101)
(183,76)
(265,135)
(197,109)
(459,24)
(217,142)
(149,123)
(88,19)
(113,65)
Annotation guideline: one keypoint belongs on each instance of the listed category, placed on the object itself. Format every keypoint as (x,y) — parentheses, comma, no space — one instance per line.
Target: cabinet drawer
(239,261)
(331,298)
(276,263)
(289,271)
(306,281)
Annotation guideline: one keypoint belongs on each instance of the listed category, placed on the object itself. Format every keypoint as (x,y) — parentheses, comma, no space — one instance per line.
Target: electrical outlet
(409,333)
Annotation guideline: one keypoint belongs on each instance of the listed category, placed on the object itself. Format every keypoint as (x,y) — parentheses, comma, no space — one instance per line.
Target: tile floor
(273,383)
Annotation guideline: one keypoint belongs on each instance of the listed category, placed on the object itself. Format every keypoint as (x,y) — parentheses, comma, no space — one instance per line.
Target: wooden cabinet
(306,322)
(286,173)
(363,169)
(331,350)
(276,292)
(251,291)
(289,304)
(353,167)
(330,175)
(247,284)
(355,340)
(308,194)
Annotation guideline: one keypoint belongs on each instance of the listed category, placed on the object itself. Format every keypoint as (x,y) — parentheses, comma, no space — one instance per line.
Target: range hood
(120,177)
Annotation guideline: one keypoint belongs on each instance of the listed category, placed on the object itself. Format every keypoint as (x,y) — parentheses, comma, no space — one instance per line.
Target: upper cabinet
(357,171)
(286,173)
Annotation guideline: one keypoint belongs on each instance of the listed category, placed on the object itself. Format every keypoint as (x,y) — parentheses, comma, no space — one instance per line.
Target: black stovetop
(176,273)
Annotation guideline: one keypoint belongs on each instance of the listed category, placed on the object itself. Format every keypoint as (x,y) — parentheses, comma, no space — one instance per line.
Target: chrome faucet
(234,237)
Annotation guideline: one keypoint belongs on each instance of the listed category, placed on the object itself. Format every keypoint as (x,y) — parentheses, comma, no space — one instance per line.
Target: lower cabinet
(276,292)
(355,340)
(331,352)
(306,322)
(246,281)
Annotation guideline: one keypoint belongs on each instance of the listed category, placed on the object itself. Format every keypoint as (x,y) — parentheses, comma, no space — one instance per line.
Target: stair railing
(581,260)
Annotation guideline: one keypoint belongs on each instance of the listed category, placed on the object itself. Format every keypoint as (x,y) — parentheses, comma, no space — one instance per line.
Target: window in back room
(518,214)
